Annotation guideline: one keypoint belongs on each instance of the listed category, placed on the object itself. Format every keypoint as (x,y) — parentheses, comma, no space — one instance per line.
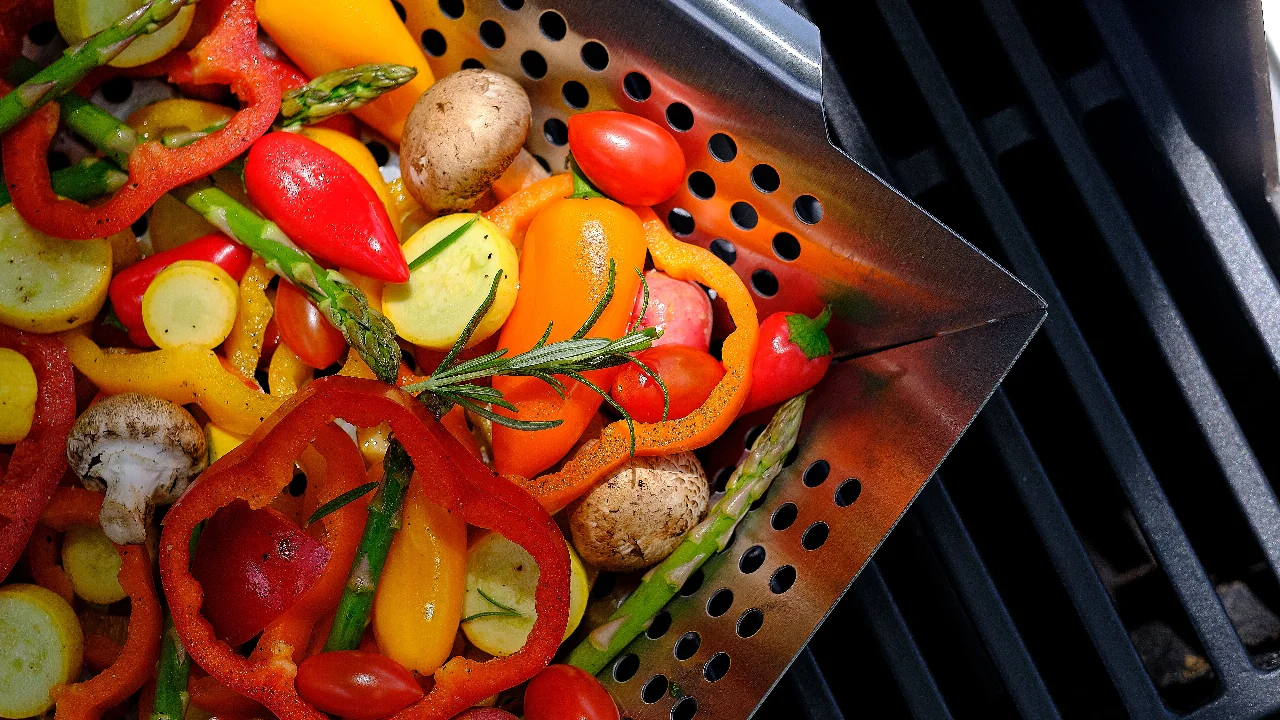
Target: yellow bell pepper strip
(243,347)
(287,372)
(326,35)
(594,462)
(568,251)
(181,375)
(419,599)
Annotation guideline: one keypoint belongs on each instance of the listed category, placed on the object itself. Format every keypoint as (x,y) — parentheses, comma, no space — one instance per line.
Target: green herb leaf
(503,611)
(598,310)
(340,502)
(444,244)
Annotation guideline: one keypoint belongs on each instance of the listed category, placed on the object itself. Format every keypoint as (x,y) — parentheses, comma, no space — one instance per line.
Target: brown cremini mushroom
(141,450)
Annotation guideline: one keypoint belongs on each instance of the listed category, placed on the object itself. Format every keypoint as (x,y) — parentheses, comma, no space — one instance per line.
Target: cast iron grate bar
(983,603)
(1217,423)
(1071,561)
(810,689)
(901,654)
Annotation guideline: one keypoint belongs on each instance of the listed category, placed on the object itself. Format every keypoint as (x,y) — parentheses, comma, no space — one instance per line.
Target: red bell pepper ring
(128,287)
(793,355)
(324,205)
(228,55)
(40,458)
(262,466)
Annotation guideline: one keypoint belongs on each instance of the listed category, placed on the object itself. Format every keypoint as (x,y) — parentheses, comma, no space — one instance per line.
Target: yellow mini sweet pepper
(244,345)
(326,35)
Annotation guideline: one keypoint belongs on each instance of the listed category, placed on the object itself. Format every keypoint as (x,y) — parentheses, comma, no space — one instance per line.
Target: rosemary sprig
(505,611)
(340,502)
(452,382)
(441,246)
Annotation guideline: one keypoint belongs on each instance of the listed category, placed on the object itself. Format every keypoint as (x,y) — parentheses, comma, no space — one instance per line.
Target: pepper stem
(809,334)
(582,187)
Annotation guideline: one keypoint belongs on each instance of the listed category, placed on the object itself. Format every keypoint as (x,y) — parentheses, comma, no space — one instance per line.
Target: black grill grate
(1104,543)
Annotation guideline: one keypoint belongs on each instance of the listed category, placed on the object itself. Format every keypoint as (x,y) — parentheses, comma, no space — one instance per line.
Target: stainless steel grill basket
(926,324)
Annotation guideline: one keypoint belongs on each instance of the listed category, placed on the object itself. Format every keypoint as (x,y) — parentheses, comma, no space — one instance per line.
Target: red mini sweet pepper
(228,55)
(324,205)
(40,458)
(128,287)
(793,355)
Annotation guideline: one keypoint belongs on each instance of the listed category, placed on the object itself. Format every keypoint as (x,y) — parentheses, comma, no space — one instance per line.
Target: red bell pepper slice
(40,458)
(323,203)
(130,284)
(259,469)
(228,55)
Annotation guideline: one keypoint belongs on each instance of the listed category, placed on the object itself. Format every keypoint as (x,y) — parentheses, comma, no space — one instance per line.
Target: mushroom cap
(142,451)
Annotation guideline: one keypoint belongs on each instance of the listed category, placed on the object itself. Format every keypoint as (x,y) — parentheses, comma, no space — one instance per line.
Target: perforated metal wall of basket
(927,325)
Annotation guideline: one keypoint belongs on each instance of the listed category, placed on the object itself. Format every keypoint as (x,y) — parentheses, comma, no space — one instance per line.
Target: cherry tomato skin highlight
(304,329)
(690,375)
(356,685)
(130,284)
(629,158)
(324,205)
(252,565)
(565,692)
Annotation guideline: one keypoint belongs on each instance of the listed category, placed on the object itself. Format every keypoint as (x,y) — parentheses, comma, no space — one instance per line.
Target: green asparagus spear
(79,59)
(170,700)
(87,179)
(365,329)
(341,91)
(747,484)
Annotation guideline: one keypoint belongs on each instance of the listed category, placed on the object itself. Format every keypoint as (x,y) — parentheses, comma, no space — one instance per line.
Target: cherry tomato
(253,564)
(485,713)
(356,685)
(309,333)
(629,158)
(690,375)
(564,692)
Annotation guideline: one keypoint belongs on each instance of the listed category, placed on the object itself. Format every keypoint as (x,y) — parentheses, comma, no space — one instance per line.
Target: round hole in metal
(750,622)
(552,25)
(752,559)
(724,250)
(298,484)
(575,95)
(626,667)
(791,457)
(556,132)
(721,479)
(594,55)
(654,689)
(472,64)
(722,147)
(716,667)
(786,246)
(693,584)
(816,473)
(660,625)
(139,226)
(492,34)
(381,154)
(743,215)
(765,178)
(533,64)
(680,221)
(687,645)
(685,709)
(808,209)
(759,502)
(637,86)
(452,9)
(848,492)
(511,4)
(784,516)
(751,436)
(701,185)
(782,579)
(679,116)
(57,160)
(764,282)
(434,43)
(43,33)
(815,536)
(400,10)
(720,602)
(543,162)
(117,89)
